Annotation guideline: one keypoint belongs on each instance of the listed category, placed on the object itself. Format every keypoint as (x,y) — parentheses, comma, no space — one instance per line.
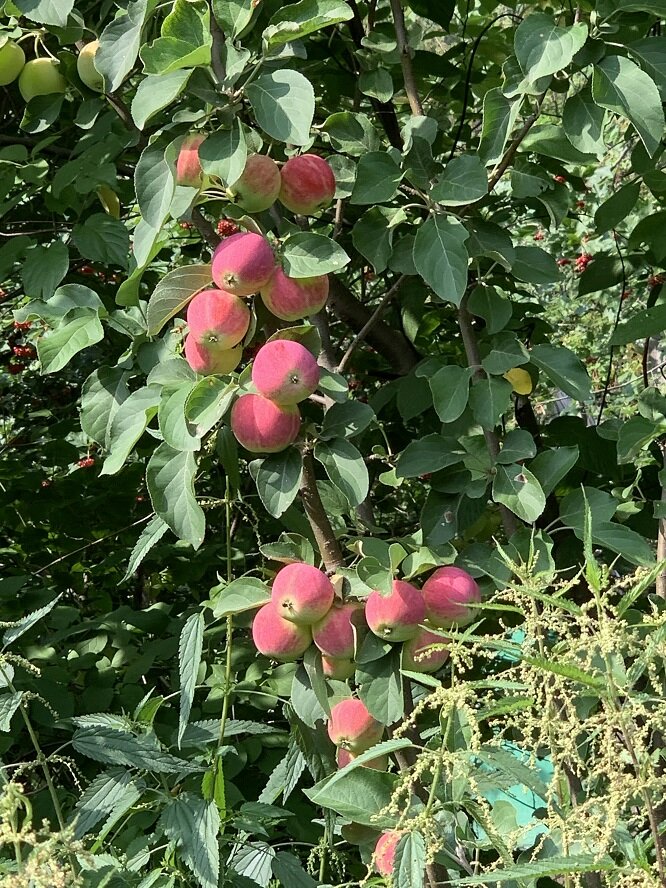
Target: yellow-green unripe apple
(12,60)
(41,77)
(85,65)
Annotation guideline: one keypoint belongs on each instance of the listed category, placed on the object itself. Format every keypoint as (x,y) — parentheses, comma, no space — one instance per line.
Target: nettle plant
(320,328)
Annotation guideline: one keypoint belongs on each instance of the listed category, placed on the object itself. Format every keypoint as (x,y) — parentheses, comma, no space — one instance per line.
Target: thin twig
(103,539)
(325,538)
(205,228)
(406,59)
(609,373)
(365,329)
(474,362)
(661,538)
(510,152)
(216,49)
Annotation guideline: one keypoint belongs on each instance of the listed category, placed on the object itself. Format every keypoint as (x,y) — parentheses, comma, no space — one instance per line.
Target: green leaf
(223,154)
(410,861)
(492,306)
(20,627)
(102,796)
(207,403)
(372,236)
(185,41)
(550,141)
(173,292)
(278,478)
(154,184)
(352,134)
(450,392)
(616,208)
(359,794)
(378,84)
(583,122)
(156,92)
(306,255)
(543,48)
(429,454)
(150,536)
(551,466)
(119,45)
(380,687)
(46,12)
(79,329)
(635,435)
(553,866)
(176,430)
(535,266)
(170,478)
(517,445)
(463,181)
(102,239)
(296,20)
(287,868)
(44,268)
(102,394)
(346,420)
(377,179)
(243,594)
(283,104)
(168,54)
(345,468)
(115,747)
(507,352)
(564,369)
(648,322)
(490,399)
(233,16)
(190,646)
(127,426)
(651,51)
(9,703)
(515,487)
(619,85)
(441,258)
(499,117)
(193,825)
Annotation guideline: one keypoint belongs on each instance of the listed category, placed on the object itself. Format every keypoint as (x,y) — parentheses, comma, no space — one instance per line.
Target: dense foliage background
(500,184)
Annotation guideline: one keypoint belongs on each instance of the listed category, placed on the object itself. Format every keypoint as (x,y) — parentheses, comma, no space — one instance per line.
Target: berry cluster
(86,462)
(225,228)
(583,261)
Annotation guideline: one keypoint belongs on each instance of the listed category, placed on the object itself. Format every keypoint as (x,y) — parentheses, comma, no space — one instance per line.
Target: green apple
(12,60)
(41,77)
(85,65)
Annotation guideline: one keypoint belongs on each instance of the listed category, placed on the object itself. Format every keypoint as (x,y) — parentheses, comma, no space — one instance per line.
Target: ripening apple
(41,77)
(12,60)
(85,65)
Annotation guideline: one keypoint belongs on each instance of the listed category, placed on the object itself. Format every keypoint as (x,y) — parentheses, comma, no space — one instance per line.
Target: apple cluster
(42,76)
(304,610)
(284,372)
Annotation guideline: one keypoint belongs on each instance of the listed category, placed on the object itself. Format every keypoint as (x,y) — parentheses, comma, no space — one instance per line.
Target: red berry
(22,325)
(15,369)
(139,499)
(45,483)
(185,225)
(539,236)
(656,280)
(369,275)
(563,261)
(560,179)
(580,204)
(87,269)
(225,228)
(426,477)
(86,462)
